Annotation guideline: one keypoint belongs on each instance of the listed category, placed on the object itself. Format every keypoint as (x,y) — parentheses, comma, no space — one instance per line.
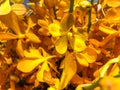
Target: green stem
(94,85)
(89,18)
(54,9)
(107,65)
(71,6)
(102,73)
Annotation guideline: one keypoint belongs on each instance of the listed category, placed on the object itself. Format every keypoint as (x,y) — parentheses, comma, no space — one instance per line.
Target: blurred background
(25,1)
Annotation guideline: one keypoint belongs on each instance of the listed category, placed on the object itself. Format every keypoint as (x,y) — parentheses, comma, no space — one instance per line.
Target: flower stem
(107,65)
(71,6)
(54,9)
(89,17)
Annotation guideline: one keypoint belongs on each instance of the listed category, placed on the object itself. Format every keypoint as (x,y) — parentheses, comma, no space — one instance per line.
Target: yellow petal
(106,29)
(61,45)
(112,15)
(81,60)
(66,22)
(40,10)
(5,7)
(50,3)
(47,77)
(44,53)
(109,82)
(32,37)
(103,2)
(32,53)
(55,87)
(113,3)
(115,70)
(108,39)
(90,55)
(69,71)
(43,23)
(19,9)
(19,48)
(7,36)
(40,74)
(17,1)
(84,4)
(11,20)
(51,88)
(27,65)
(32,21)
(54,29)
(78,44)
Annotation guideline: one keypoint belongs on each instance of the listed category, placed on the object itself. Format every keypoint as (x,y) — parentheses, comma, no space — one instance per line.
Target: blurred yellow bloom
(54,29)
(110,83)
(5,7)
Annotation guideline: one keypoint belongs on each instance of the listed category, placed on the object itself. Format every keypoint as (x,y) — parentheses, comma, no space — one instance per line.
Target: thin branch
(89,18)
(55,15)
(71,6)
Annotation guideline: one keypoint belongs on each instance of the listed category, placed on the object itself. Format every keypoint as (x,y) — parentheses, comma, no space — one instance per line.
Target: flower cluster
(59,44)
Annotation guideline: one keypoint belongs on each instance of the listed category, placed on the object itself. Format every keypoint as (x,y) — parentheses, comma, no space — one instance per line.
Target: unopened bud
(50,3)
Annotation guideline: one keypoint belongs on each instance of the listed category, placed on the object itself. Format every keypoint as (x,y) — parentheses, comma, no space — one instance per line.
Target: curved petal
(61,45)
(5,7)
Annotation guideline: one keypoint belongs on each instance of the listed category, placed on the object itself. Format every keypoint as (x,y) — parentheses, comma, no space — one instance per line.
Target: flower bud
(50,3)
